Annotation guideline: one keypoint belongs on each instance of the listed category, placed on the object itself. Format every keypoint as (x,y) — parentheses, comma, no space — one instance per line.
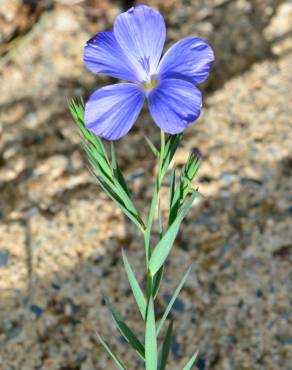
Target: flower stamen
(151,84)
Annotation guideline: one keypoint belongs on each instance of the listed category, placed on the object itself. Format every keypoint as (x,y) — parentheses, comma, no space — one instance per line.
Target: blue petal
(141,33)
(111,111)
(103,55)
(174,104)
(188,59)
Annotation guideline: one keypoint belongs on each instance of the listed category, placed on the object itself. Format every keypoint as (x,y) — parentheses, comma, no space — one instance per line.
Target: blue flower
(132,52)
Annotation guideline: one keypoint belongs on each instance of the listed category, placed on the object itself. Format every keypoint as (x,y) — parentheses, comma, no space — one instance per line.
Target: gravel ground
(61,238)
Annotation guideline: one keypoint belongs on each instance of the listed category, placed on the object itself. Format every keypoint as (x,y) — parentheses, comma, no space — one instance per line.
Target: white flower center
(150,84)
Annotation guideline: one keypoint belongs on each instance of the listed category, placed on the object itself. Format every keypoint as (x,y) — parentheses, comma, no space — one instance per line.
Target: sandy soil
(61,238)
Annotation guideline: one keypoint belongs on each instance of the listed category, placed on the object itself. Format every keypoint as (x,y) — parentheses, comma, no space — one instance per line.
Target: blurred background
(61,238)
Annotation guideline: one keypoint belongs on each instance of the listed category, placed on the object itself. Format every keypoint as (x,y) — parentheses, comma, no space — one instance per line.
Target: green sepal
(184,186)
(189,172)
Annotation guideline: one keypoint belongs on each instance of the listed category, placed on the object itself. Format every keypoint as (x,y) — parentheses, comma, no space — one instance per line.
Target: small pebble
(38,311)
(14,331)
(201,364)
(249,180)
(175,347)
(4,257)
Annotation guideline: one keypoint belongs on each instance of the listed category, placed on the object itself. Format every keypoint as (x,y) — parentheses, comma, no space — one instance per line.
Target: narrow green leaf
(152,147)
(172,185)
(170,149)
(164,246)
(97,162)
(175,204)
(192,167)
(149,285)
(113,190)
(191,362)
(114,357)
(98,146)
(161,154)
(163,355)
(117,183)
(126,200)
(77,110)
(126,331)
(90,141)
(157,281)
(117,171)
(120,184)
(150,339)
(170,146)
(116,199)
(175,294)
(160,225)
(138,294)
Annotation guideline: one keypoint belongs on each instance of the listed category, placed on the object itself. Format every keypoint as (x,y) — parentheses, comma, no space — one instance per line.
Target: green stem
(162,149)
(154,200)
